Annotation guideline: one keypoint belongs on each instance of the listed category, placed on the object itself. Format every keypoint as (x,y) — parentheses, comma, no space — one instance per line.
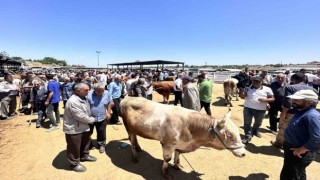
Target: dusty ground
(30,153)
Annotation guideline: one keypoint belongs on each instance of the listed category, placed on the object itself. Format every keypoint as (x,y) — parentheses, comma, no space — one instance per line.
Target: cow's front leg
(133,141)
(167,155)
(177,161)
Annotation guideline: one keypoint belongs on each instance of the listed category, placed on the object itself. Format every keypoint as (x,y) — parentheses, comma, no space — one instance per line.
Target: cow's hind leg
(167,155)
(177,161)
(133,141)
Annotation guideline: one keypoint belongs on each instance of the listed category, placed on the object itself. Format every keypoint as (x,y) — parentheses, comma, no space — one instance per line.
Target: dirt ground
(30,153)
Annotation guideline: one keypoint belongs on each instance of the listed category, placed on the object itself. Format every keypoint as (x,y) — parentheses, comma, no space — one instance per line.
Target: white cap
(304,94)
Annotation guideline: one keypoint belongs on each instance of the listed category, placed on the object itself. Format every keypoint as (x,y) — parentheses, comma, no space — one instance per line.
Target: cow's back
(164,87)
(152,120)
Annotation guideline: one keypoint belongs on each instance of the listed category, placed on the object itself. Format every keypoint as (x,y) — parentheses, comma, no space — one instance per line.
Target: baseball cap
(257,78)
(304,94)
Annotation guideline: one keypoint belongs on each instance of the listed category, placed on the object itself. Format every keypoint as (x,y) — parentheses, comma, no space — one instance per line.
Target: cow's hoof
(231,105)
(237,99)
(177,167)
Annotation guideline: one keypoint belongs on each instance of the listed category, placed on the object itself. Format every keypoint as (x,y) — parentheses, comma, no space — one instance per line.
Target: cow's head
(227,135)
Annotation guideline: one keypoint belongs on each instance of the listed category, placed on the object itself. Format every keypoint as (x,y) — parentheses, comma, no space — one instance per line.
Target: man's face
(281,79)
(84,91)
(9,78)
(37,85)
(256,84)
(99,91)
(298,103)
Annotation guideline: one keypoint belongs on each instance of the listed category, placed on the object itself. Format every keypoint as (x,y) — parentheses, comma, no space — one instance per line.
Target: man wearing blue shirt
(100,105)
(52,102)
(115,91)
(302,136)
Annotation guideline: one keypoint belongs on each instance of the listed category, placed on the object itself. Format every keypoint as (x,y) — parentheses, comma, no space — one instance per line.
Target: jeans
(293,166)
(206,107)
(101,131)
(248,114)
(41,110)
(149,96)
(53,107)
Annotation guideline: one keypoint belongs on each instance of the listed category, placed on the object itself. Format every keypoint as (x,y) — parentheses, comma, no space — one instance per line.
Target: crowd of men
(92,98)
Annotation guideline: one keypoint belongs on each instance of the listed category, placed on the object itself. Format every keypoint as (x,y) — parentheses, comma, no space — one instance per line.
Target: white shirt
(161,76)
(177,83)
(150,90)
(253,95)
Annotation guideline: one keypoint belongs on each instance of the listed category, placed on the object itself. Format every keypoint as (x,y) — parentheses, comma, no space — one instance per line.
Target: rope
(188,162)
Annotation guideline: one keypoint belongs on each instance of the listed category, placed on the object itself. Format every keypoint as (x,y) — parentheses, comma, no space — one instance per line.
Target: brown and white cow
(178,129)
(230,90)
(165,88)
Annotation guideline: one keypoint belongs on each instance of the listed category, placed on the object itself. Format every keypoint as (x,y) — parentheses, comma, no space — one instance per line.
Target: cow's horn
(228,115)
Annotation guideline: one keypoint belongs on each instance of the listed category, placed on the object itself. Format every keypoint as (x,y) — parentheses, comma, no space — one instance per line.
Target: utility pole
(98,52)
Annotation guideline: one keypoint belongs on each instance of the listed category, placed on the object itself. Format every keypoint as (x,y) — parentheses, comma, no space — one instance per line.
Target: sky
(197,32)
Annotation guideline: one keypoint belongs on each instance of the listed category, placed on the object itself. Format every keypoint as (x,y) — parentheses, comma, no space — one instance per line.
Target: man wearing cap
(190,95)
(256,98)
(302,136)
(298,81)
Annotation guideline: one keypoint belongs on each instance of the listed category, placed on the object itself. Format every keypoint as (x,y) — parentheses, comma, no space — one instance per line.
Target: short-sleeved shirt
(205,91)
(177,84)
(54,87)
(115,90)
(98,106)
(253,95)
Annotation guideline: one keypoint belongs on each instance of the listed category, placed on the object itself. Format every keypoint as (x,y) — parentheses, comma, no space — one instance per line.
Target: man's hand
(299,151)
(46,103)
(108,116)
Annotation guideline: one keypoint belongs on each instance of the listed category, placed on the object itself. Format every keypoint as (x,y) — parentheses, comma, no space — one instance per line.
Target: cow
(178,129)
(170,78)
(165,88)
(230,90)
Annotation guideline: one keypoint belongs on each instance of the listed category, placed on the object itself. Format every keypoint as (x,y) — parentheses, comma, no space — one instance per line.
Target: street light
(98,52)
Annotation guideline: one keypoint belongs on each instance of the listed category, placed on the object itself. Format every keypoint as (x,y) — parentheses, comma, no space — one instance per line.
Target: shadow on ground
(259,176)
(60,161)
(267,150)
(219,102)
(147,166)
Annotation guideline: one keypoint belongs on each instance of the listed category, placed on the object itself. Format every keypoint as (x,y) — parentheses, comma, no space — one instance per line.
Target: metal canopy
(141,63)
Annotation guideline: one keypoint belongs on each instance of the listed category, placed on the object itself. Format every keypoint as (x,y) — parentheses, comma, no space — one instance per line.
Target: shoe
(256,133)
(38,125)
(102,149)
(276,144)
(92,147)
(13,114)
(274,132)
(246,140)
(5,118)
(89,158)
(53,128)
(79,168)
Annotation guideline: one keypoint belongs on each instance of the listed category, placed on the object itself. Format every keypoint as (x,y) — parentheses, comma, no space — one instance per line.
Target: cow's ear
(221,123)
(228,115)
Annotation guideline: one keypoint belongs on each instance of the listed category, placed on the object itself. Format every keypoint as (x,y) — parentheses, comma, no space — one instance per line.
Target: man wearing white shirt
(9,92)
(178,90)
(256,98)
